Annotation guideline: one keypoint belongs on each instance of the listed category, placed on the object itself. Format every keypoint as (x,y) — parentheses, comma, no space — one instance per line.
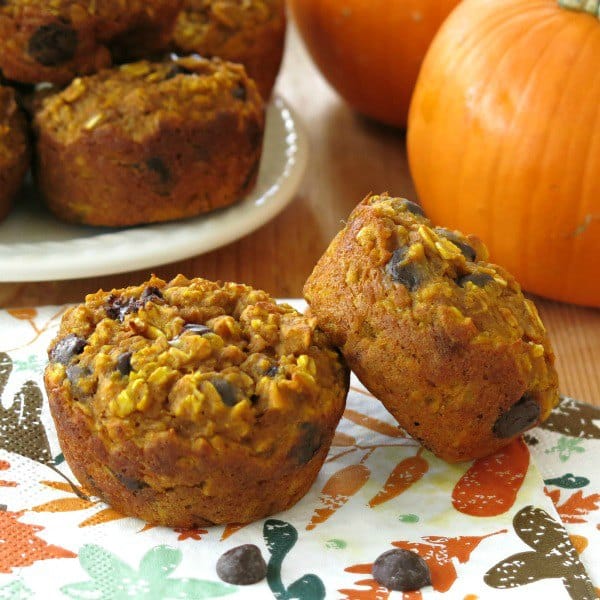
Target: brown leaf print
(373,424)
(342,439)
(6,367)
(574,419)
(21,428)
(552,556)
(338,489)
(20,545)
(490,486)
(405,473)
(23,314)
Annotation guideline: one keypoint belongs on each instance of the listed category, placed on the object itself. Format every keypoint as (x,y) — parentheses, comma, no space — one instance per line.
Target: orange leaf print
(230,529)
(490,486)
(64,505)
(574,509)
(4,466)
(438,553)
(342,439)
(104,516)
(341,486)
(23,314)
(580,542)
(374,591)
(405,473)
(189,534)
(373,424)
(20,545)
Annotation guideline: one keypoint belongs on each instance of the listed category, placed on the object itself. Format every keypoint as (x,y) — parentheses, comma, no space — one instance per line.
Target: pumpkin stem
(588,6)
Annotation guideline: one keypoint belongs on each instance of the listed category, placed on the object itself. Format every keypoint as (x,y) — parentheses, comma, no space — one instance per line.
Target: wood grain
(350,157)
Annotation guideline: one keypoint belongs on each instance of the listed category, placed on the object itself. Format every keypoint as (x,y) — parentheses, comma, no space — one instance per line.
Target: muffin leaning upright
(443,338)
(150,142)
(191,402)
(14,148)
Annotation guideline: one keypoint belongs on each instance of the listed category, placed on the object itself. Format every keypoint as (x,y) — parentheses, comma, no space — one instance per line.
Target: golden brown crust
(150,142)
(56,41)
(443,338)
(226,420)
(251,33)
(14,149)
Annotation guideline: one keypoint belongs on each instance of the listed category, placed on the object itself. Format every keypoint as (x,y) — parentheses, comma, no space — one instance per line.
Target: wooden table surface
(350,157)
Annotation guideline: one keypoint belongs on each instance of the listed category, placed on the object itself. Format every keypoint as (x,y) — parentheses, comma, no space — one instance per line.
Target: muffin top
(13,138)
(209,24)
(219,364)
(137,99)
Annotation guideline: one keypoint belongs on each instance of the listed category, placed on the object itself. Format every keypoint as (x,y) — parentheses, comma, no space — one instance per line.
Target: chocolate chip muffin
(192,403)
(14,149)
(150,142)
(442,337)
(251,32)
(55,41)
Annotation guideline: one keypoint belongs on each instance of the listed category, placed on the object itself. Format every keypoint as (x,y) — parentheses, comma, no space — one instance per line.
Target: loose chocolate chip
(518,418)
(67,348)
(410,275)
(308,444)
(227,391)
(151,294)
(118,308)
(124,363)
(413,208)
(196,328)
(401,570)
(53,44)
(272,371)
(158,166)
(132,484)
(478,279)
(467,251)
(239,92)
(243,565)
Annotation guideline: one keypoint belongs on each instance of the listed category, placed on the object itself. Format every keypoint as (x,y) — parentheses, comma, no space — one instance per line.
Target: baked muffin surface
(442,337)
(194,402)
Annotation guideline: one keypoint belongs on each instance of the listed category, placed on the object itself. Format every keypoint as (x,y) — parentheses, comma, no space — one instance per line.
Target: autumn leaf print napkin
(523,523)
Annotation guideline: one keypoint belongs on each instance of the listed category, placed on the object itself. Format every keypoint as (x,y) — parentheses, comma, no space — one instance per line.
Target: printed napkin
(523,523)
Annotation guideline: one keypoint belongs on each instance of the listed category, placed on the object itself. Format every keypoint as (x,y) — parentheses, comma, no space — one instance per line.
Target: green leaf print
(566,446)
(112,579)
(15,590)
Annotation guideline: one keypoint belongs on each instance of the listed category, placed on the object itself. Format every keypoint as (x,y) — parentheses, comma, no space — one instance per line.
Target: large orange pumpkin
(504,138)
(370,51)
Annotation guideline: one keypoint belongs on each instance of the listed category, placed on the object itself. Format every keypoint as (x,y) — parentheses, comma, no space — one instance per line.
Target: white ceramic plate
(34,246)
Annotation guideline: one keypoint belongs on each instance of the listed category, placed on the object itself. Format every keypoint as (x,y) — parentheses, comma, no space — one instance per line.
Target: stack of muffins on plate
(124,132)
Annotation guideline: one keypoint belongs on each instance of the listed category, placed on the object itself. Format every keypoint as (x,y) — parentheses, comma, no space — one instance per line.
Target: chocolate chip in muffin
(53,44)
(518,418)
(239,92)
(74,374)
(243,565)
(151,294)
(478,279)
(308,444)
(413,208)
(175,70)
(272,371)
(401,570)
(67,348)
(157,165)
(227,391)
(132,484)
(409,275)
(124,363)
(467,251)
(118,308)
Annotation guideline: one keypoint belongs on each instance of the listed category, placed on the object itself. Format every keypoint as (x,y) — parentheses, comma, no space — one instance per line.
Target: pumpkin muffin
(193,403)
(55,41)
(150,142)
(251,32)
(14,148)
(442,337)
